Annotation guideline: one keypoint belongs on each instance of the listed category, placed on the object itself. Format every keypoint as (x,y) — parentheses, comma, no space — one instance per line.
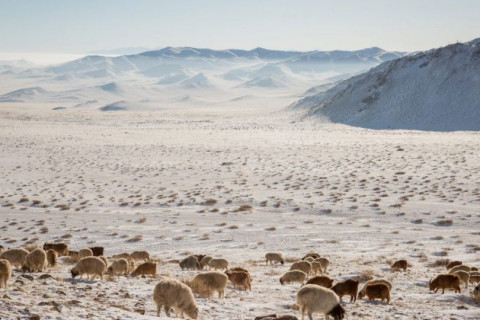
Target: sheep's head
(281,281)
(282,262)
(361,294)
(192,311)
(74,273)
(431,285)
(25,268)
(338,313)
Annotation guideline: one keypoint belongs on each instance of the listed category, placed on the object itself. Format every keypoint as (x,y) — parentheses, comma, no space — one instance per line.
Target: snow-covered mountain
(434,90)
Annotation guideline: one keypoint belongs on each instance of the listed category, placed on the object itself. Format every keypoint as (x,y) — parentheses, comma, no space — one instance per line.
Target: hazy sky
(75,26)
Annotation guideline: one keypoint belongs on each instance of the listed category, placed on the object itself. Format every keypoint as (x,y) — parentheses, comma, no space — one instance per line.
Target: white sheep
(90,266)
(363,292)
(315,299)
(464,277)
(5,272)
(172,293)
(204,284)
(87,252)
(293,276)
(218,264)
(324,262)
(119,266)
(16,257)
(302,265)
(35,261)
(274,257)
(140,255)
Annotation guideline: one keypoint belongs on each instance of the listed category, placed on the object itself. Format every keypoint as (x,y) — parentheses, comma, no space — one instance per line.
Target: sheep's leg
(303,313)
(310,315)
(159,309)
(167,310)
(443,290)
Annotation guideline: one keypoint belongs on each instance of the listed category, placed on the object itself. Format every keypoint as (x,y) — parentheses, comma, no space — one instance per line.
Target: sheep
(204,284)
(218,264)
(302,265)
(474,277)
(312,254)
(317,267)
(293,276)
(379,290)
(236,269)
(204,262)
(61,248)
(124,255)
(190,262)
(199,256)
(349,287)
(464,277)
(87,252)
(476,294)
(146,268)
(16,257)
(315,299)
(97,251)
(140,255)
(171,293)
(363,292)
(274,257)
(90,266)
(119,266)
(239,278)
(400,264)
(35,261)
(104,259)
(131,265)
(5,272)
(324,262)
(52,257)
(323,281)
(452,264)
(459,268)
(445,281)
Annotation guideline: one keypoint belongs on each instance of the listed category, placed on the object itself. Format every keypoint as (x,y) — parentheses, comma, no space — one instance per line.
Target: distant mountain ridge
(434,90)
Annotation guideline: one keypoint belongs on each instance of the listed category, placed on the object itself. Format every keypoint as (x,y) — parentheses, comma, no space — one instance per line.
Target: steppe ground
(179,182)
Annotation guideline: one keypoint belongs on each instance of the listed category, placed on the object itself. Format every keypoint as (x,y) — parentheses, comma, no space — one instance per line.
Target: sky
(81,26)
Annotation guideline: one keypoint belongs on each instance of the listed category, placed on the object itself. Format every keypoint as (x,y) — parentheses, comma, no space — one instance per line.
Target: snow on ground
(361,198)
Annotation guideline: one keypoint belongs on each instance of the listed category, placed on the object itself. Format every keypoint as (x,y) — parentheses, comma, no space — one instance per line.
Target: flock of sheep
(318,294)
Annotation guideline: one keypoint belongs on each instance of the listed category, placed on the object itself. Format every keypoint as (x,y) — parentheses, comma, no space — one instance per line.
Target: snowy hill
(433,90)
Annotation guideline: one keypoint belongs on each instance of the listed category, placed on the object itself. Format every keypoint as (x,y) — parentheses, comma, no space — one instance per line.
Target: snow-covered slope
(433,90)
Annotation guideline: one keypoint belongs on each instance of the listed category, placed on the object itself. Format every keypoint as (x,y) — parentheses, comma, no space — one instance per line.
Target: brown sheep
(146,268)
(242,270)
(347,287)
(400,264)
(190,262)
(61,248)
(97,251)
(452,264)
(239,278)
(52,256)
(445,281)
(323,281)
(199,256)
(379,290)
(5,272)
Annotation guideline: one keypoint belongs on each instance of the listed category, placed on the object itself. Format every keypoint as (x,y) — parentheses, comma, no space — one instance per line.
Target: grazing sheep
(464,277)
(124,255)
(140,255)
(445,281)
(317,267)
(302,265)
(400,264)
(87,252)
(61,248)
(204,284)
(52,257)
(293,276)
(190,262)
(274,257)
(362,293)
(349,287)
(239,278)
(146,268)
(119,266)
(324,262)
(16,257)
(241,270)
(204,262)
(5,272)
(323,281)
(315,299)
(476,294)
(35,261)
(97,251)
(459,268)
(93,266)
(171,293)
(379,290)
(312,254)
(218,264)
(452,264)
